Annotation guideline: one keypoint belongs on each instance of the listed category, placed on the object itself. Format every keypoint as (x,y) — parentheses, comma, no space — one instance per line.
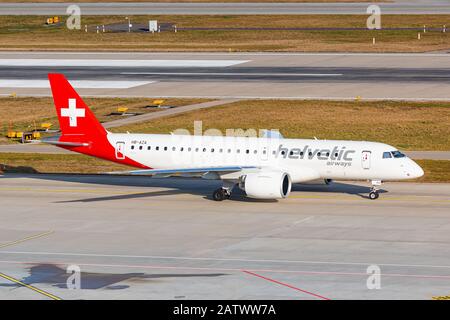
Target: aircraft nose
(416,171)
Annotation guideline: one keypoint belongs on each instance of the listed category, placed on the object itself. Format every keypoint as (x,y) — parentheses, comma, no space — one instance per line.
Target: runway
(289,76)
(141,238)
(414,7)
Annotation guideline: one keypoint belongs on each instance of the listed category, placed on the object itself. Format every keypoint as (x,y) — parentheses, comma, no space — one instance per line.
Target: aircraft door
(365,159)
(120,147)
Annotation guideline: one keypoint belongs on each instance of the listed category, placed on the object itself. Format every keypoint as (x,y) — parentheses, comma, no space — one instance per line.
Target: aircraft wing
(184,171)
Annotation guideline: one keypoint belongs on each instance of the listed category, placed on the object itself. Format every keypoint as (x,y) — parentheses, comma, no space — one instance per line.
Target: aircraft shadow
(181,185)
(57,276)
(337,187)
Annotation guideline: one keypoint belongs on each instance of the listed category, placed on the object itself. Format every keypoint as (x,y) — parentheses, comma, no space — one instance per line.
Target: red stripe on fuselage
(99,147)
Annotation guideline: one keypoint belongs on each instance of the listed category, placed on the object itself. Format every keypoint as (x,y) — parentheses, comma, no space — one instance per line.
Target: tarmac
(142,238)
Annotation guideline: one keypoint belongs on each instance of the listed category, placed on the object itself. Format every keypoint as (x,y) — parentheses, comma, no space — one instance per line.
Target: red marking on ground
(285,284)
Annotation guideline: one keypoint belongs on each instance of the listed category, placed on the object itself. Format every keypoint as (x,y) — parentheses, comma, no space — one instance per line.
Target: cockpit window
(387,155)
(398,154)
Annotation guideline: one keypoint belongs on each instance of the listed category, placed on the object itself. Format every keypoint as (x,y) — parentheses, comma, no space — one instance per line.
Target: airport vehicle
(264,167)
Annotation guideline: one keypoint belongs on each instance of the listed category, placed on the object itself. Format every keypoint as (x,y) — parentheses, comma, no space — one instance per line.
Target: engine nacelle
(266,185)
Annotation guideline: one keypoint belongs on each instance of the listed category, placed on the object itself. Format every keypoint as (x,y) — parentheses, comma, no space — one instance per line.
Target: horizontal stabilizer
(66,143)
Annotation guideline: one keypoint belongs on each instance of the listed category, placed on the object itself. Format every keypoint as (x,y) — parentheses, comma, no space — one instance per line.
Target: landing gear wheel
(373,195)
(219,195)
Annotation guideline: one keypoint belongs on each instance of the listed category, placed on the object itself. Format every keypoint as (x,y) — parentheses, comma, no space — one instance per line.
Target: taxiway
(141,238)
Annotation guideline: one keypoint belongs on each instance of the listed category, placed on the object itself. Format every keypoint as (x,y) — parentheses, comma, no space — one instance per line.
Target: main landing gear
(221,194)
(373,194)
(224,192)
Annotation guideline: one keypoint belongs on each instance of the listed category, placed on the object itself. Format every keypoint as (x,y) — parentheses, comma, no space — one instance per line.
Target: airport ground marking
(39,235)
(231,259)
(230,269)
(441,298)
(250,97)
(236,74)
(285,284)
(48,295)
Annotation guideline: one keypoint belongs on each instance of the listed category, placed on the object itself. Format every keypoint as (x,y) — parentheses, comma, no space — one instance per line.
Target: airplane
(263,167)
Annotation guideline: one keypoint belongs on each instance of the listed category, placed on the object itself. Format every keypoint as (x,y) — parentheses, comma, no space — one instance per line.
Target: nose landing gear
(373,194)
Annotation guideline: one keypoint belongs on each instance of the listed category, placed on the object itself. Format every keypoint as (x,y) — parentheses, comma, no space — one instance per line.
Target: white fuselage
(304,160)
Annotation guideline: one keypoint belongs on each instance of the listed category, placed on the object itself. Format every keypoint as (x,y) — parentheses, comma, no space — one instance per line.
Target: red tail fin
(80,130)
(75,118)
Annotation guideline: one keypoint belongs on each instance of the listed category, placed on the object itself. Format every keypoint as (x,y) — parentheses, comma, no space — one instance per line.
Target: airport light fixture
(129,24)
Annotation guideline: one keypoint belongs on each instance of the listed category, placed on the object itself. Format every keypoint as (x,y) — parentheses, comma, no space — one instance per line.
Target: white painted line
(303,220)
(79,84)
(117,63)
(235,74)
(222,259)
(98,95)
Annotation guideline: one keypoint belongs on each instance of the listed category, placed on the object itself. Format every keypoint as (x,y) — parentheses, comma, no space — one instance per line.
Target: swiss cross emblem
(72,112)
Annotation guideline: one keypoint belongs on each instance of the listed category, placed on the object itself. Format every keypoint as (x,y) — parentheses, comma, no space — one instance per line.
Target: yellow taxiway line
(26,239)
(49,295)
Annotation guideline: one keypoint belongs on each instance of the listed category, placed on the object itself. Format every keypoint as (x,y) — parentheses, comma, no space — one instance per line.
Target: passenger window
(157,148)
(132,147)
(140,147)
(255,151)
(247,151)
(148,148)
(165,148)
(204,149)
(212,149)
(387,155)
(181,149)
